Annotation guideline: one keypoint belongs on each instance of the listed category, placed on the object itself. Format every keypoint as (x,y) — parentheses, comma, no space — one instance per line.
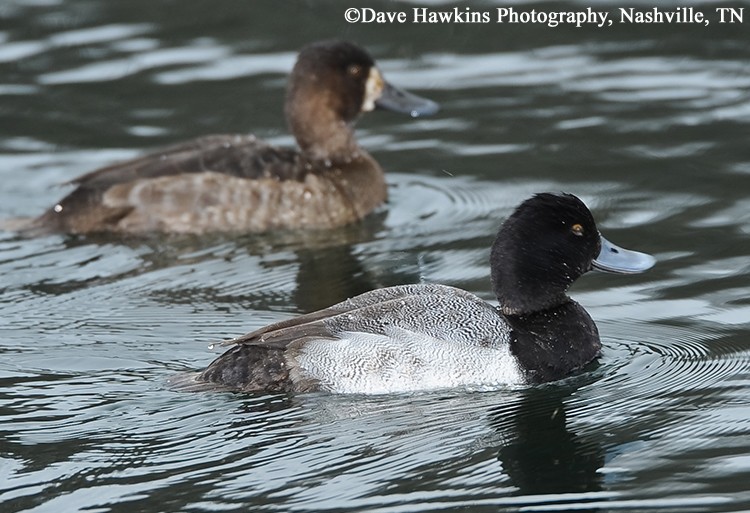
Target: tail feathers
(249,368)
(17,224)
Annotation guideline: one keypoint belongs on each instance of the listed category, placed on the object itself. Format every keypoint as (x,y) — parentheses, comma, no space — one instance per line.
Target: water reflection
(543,456)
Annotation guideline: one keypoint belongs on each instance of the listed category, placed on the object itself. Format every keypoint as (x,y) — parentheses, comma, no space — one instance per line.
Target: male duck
(419,337)
(239,183)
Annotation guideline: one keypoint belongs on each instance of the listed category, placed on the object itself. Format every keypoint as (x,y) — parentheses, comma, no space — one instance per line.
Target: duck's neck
(525,282)
(533,299)
(320,133)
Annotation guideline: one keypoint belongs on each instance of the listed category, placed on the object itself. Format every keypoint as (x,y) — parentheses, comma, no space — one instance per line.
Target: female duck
(238,183)
(418,337)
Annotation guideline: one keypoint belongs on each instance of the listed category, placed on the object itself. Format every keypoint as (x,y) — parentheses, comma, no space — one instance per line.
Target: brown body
(239,183)
(221,183)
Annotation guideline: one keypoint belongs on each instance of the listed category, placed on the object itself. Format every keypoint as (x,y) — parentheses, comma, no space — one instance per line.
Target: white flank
(405,361)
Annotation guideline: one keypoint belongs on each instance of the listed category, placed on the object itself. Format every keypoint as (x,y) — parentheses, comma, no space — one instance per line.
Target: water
(648,124)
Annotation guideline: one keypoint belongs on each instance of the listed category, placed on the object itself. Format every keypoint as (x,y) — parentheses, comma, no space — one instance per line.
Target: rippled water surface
(648,124)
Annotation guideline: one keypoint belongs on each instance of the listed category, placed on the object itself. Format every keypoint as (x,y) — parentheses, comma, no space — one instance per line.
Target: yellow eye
(577,229)
(354,70)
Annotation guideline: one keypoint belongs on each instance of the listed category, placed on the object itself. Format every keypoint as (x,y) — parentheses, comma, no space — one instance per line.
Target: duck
(420,337)
(239,183)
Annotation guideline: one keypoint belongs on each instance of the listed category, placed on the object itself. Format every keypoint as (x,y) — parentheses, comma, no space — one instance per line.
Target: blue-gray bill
(398,100)
(615,259)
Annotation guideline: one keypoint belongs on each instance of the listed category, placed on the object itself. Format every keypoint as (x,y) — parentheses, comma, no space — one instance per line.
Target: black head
(331,84)
(547,244)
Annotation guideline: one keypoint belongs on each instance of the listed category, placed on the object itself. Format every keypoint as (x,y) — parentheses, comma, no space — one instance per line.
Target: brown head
(331,84)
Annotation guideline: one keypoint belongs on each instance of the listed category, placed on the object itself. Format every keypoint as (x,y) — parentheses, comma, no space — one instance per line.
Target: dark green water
(648,124)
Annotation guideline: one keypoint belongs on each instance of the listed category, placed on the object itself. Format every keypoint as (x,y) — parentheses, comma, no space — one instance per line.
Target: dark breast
(554,343)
